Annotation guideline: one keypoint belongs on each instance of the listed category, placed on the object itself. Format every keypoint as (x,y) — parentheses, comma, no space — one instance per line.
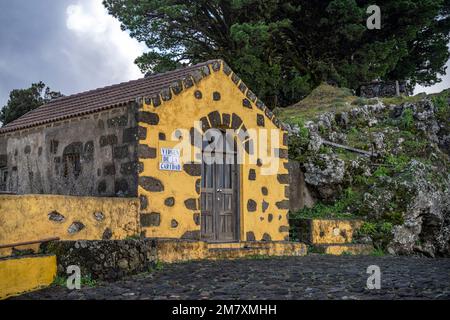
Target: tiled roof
(101,99)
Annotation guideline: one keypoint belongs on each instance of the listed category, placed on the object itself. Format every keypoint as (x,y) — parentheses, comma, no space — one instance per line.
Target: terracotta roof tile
(100,99)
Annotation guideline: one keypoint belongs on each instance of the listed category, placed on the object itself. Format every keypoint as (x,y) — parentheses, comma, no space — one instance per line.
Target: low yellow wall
(19,275)
(173,251)
(35,217)
(333,231)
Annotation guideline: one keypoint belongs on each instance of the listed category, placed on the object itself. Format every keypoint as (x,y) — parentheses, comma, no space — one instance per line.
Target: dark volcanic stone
(56,216)
(120,152)
(266,237)
(260,120)
(109,169)
(215,119)
(101,188)
(216,96)
(142,133)
(130,168)
(226,120)
(121,187)
(265,206)
(198,94)
(252,174)
(99,216)
(236,121)
(107,234)
(264,191)
(149,118)
(143,202)
(191,235)
(193,169)
(130,135)
(150,219)
(169,202)
(146,152)
(246,103)
(250,236)
(283,178)
(75,227)
(284,204)
(251,205)
(151,184)
(191,204)
(120,121)
(196,217)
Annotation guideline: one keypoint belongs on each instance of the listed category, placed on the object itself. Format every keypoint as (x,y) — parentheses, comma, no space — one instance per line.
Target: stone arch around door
(170,206)
(220,199)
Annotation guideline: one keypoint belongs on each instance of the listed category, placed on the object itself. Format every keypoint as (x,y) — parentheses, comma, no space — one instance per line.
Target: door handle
(219,190)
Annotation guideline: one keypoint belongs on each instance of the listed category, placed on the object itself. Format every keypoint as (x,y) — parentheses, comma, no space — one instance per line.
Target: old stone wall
(384,89)
(104,260)
(36,217)
(94,155)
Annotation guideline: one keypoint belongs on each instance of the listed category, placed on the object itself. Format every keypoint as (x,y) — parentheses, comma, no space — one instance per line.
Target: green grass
(133,237)
(159,266)
(86,281)
(338,209)
(378,252)
(322,99)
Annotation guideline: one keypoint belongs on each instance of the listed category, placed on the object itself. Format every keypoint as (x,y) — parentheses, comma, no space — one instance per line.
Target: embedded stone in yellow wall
(36,217)
(214,97)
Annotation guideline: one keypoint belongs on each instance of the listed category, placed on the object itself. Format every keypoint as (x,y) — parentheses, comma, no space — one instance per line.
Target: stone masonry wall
(38,159)
(104,260)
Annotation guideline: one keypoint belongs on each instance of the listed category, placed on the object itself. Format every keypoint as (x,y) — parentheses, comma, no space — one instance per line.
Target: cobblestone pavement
(310,277)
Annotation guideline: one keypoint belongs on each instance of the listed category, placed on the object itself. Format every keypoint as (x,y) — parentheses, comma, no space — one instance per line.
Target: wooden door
(219,198)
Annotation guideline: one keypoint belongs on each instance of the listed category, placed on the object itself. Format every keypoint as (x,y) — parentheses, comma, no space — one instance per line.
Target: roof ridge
(112,86)
(154,90)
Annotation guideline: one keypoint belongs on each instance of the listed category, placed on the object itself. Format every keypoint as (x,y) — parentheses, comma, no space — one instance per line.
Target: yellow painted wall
(19,275)
(180,112)
(26,218)
(333,231)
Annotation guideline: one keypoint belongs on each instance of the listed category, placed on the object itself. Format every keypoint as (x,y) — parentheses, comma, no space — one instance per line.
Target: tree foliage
(283,48)
(22,101)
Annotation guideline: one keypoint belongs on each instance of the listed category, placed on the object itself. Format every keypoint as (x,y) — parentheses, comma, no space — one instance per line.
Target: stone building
(129,140)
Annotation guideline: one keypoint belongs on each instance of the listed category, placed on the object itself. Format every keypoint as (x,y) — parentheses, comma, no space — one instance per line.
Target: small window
(72,164)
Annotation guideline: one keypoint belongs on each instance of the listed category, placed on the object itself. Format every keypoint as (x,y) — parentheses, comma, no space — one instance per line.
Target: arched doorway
(220,187)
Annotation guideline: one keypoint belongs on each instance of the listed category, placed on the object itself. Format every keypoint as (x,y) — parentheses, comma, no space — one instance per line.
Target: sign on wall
(170,159)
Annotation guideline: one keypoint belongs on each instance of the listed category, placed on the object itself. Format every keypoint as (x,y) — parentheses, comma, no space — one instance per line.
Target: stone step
(248,249)
(327,231)
(342,249)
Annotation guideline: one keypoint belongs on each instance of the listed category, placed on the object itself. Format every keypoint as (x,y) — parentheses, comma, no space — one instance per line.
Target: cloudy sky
(71,45)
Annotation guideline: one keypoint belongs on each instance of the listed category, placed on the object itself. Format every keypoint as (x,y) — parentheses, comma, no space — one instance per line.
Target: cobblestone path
(310,277)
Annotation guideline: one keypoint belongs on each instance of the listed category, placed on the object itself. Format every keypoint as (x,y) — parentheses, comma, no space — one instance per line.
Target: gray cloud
(71,45)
